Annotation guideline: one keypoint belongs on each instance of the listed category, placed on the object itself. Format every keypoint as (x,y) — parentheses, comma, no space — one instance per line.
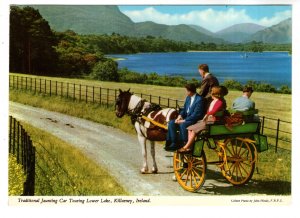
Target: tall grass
(62,169)
(16,177)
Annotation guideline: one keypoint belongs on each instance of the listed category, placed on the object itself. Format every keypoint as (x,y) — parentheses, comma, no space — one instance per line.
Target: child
(218,104)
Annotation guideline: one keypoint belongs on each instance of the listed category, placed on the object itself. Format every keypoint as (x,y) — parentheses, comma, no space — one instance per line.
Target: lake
(269,67)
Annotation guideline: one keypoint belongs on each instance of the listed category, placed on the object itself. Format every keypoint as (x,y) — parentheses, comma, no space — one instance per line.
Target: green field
(271,105)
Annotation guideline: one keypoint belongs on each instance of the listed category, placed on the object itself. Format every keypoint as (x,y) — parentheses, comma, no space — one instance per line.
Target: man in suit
(208,81)
(189,115)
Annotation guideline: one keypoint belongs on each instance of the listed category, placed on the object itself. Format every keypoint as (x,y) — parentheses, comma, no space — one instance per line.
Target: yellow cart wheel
(189,170)
(238,160)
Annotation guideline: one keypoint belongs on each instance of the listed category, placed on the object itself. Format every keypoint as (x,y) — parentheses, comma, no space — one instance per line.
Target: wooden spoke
(189,171)
(240,161)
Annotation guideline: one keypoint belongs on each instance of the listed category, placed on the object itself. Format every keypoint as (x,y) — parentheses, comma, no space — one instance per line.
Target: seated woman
(218,104)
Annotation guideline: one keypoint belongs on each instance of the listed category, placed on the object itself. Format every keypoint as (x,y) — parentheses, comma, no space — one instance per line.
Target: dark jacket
(207,83)
(196,111)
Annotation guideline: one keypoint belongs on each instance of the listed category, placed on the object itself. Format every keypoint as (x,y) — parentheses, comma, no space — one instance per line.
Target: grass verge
(62,169)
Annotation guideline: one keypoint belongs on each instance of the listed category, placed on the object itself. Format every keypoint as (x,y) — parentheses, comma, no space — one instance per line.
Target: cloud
(279,16)
(210,19)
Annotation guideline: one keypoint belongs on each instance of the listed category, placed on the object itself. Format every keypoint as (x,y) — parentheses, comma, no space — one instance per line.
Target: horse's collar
(138,108)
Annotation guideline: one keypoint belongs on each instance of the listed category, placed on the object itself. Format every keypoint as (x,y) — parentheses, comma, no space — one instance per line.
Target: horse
(138,108)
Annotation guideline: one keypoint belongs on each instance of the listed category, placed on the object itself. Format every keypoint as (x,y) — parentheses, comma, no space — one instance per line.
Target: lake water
(269,67)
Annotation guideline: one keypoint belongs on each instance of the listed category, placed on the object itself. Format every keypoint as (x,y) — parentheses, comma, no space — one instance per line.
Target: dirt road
(118,152)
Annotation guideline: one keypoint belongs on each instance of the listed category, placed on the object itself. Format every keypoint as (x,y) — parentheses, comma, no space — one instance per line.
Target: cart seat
(220,129)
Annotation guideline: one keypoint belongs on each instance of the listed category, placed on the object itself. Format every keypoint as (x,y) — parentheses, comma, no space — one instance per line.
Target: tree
(31,42)
(76,56)
(106,71)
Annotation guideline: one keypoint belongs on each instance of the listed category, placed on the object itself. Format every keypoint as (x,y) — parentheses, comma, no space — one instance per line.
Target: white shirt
(192,101)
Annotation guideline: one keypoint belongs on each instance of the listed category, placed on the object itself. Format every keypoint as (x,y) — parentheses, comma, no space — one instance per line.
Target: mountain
(99,19)
(239,32)
(202,30)
(180,32)
(86,19)
(279,33)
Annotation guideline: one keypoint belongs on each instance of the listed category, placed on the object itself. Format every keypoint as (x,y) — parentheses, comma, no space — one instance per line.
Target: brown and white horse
(137,107)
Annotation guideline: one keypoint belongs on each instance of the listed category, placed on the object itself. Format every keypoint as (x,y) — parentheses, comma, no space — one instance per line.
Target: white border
(203,211)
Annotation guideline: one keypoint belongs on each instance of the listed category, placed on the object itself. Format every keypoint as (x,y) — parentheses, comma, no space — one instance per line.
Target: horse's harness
(137,115)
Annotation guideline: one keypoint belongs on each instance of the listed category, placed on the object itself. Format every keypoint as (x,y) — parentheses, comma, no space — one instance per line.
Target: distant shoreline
(117,59)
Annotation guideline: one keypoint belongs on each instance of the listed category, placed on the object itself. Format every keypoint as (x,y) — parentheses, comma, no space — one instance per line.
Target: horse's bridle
(136,111)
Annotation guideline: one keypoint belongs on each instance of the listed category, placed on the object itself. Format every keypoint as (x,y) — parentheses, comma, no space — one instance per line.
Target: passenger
(218,104)
(189,115)
(241,104)
(208,81)
(244,103)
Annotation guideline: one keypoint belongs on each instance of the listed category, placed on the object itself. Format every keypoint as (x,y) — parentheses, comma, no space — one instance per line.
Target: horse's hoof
(143,171)
(154,171)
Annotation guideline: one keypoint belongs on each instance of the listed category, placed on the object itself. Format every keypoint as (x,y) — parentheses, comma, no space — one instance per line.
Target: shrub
(106,71)
(233,85)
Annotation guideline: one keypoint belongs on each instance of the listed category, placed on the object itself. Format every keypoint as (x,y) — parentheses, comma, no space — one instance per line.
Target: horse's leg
(154,168)
(142,141)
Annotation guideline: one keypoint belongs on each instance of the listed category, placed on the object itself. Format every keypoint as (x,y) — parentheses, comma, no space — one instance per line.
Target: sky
(212,17)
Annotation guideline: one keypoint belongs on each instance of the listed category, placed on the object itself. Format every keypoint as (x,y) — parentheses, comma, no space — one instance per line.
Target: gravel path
(116,151)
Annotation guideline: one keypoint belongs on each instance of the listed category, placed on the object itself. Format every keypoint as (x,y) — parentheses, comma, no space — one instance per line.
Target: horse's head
(122,102)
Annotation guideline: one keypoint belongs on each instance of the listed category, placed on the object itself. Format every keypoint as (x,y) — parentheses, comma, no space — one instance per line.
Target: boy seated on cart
(243,109)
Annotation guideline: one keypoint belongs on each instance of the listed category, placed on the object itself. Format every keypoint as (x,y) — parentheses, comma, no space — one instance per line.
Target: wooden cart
(236,151)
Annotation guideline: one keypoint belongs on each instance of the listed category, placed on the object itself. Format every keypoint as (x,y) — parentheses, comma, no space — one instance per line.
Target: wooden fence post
(277,135)
(61,89)
(93,94)
(14,136)
(50,90)
(86,93)
(107,97)
(56,87)
(45,87)
(74,91)
(100,96)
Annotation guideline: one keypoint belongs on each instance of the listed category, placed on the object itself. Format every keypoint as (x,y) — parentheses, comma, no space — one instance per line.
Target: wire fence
(20,145)
(52,177)
(279,131)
